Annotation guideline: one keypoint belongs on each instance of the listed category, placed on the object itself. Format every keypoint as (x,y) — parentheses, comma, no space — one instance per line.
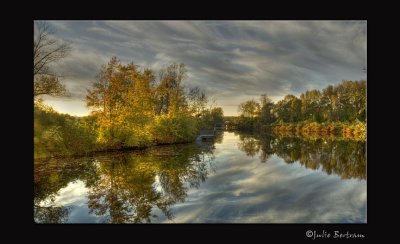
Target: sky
(233,61)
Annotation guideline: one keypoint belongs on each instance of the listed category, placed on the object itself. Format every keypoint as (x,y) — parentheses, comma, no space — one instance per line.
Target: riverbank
(44,153)
(61,135)
(107,151)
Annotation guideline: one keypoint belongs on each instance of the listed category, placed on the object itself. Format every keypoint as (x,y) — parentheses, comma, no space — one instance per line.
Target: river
(239,178)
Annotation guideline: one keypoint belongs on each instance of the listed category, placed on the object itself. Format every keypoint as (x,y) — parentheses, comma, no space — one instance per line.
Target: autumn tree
(310,105)
(197,101)
(132,109)
(140,100)
(47,50)
(328,103)
(170,93)
(288,109)
(114,99)
(249,108)
(266,106)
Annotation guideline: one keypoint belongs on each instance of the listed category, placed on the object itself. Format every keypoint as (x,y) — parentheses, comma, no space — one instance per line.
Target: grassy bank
(58,135)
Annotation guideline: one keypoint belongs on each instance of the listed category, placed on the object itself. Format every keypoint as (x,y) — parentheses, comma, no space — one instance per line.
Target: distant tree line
(342,103)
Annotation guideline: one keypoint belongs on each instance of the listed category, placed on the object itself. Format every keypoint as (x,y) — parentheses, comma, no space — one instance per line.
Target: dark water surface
(238,179)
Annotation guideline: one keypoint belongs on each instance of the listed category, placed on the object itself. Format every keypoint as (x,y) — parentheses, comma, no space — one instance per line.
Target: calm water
(238,179)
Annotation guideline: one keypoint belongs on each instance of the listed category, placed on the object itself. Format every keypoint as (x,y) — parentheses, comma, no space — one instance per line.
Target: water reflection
(346,158)
(124,188)
(50,176)
(219,182)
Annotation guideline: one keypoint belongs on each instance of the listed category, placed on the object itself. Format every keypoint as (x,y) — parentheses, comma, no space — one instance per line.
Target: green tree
(217,115)
(266,106)
(310,105)
(249,108)
(328,102)
(170,93)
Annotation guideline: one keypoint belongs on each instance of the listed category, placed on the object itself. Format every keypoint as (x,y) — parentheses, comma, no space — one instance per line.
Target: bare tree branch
(46,51)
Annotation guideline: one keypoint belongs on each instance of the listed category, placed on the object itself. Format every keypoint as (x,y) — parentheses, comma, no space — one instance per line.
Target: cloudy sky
(233,61)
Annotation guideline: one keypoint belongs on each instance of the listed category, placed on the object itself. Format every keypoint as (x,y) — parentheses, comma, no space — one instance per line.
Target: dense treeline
(335,109)
(130,109)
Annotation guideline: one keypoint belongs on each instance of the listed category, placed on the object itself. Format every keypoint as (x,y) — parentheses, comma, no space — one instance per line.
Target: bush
(50,143)
(139,137)
(58,134)
(179,128)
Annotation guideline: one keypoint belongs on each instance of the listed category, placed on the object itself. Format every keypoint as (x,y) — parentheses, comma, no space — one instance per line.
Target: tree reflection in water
(125,187)
(133,187)
(346,158)
(51,175)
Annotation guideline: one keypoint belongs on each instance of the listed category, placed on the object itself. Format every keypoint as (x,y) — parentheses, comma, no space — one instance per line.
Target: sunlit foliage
(130,108)
(61,134)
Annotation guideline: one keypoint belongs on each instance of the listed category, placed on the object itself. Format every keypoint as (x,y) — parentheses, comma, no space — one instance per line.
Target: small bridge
(205,134)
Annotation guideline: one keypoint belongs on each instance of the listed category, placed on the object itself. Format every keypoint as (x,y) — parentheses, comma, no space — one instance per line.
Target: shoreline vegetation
(62,135)
(130,109)
(337,111)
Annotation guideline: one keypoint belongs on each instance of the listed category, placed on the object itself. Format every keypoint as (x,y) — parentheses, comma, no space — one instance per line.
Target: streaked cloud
(232,60)
(246,191)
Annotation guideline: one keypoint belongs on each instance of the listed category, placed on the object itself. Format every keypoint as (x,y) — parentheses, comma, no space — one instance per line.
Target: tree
(327,103)
(288,109)
(197,101)
(106,97)
(217,115)
(310,105)
(132,110)
(295,108)
(170,91)
(249,108)
(46,51)
(266,104)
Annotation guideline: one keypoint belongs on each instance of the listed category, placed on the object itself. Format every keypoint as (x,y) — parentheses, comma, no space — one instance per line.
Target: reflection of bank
(51,214)
(346,158)
(219,136)
(126,187)
(219,127)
